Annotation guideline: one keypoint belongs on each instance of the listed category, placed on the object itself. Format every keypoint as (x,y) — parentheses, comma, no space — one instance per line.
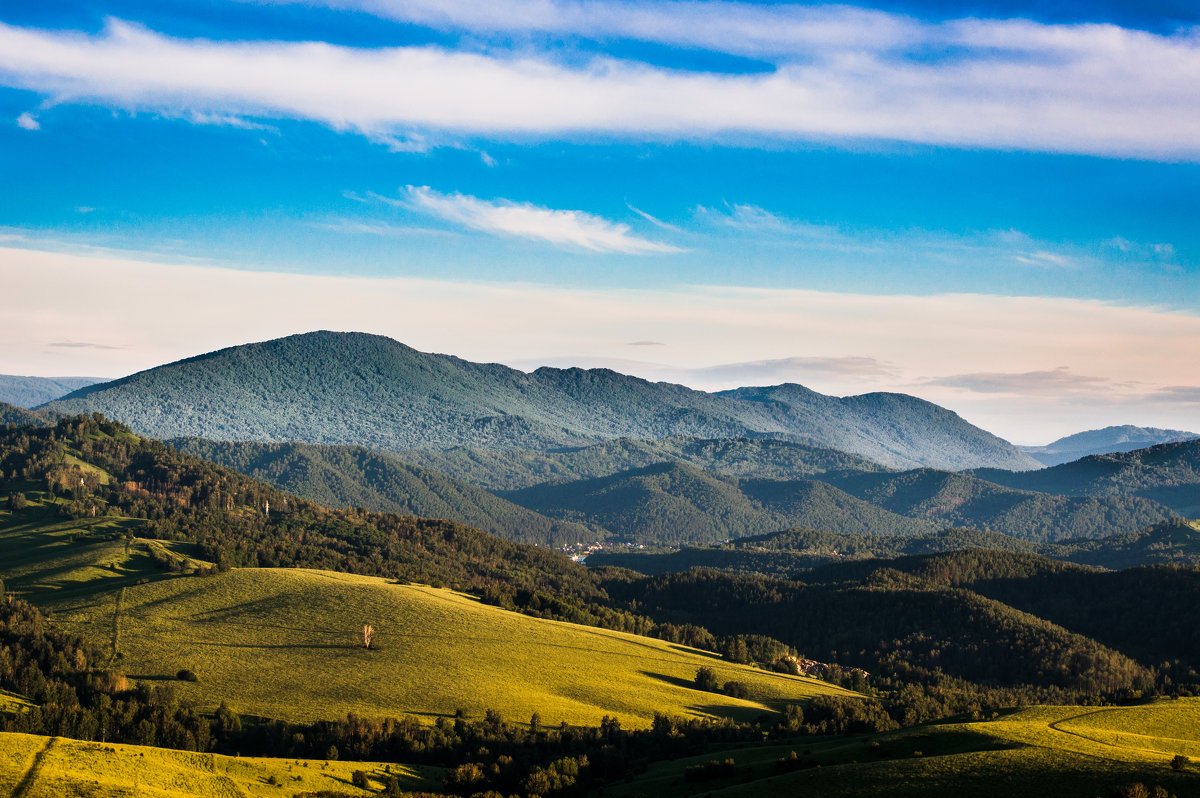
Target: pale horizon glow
(1030,369)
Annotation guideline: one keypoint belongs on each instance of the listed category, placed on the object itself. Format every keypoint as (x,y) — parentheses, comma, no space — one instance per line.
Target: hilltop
(1123,438)
(1168,473)
(29,392)
(354,388)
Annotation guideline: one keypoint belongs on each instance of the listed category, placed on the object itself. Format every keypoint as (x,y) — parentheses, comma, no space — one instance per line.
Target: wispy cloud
(795,369)
(1187,394)
(28,121)
(1057,382)
(82,345)
(565,228)
(1012,84)
(645,343)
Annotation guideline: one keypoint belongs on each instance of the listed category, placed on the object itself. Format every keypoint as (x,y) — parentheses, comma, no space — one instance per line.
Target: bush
(734,690)
(17,501)
(359,780)
(186,675)
(707,680)
(1179,762)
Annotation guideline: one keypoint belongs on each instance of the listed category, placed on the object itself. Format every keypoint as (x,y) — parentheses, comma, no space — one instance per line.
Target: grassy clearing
(43,767)
(284,643)
(1062,751)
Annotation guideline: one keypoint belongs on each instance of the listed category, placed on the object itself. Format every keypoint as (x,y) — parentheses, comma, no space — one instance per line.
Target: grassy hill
(353,388)
(1124,438)
(57,767)
(1073,752)
(1168,474)
(672,503)
(349,476)
(513,469)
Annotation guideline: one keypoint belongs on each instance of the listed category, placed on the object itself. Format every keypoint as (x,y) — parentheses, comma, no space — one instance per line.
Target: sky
(991,205)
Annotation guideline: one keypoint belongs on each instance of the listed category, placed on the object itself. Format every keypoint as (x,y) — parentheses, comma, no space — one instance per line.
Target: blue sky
(1039,155)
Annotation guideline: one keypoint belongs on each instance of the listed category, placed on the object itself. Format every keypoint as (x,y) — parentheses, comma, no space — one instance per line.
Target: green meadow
(285,643)
(1062,751)
(56,767)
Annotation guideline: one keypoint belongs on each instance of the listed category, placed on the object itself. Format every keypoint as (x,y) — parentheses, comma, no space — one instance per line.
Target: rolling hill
(1104,441)
(1168,473)
(673,503)
(19,416)
(347,476)
(353,388)
(513,469)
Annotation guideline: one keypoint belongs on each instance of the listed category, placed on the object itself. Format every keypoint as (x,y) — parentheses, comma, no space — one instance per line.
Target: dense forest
(359,389)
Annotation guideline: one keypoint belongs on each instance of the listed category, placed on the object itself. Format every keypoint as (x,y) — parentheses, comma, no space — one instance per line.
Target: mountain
(19,416)
(1168,473)
(792,552)
(350,476)
(513,469)
(353,388)
(674,504)
(31,392)
(1124,438)
(963,500)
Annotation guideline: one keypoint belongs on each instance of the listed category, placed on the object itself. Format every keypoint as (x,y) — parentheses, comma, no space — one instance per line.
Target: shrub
(186,675)
(1179,762)
(734,690)
(359,780)
(706,679)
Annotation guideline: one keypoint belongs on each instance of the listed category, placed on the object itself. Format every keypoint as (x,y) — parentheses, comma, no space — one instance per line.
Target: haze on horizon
(995,213)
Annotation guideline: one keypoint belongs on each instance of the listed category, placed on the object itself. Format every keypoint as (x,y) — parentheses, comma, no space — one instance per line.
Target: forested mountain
(29,392)
(965,501)
(677,504)
(350,476)
(513,469)
(353,388)
(1124,438)
(1168,474)
(19,416)
(793,552)
(673,504)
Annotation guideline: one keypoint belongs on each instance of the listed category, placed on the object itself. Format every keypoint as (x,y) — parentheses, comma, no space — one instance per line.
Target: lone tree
(368,634)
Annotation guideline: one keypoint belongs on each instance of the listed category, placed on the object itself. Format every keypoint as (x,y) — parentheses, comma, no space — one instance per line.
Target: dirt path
(1057,726)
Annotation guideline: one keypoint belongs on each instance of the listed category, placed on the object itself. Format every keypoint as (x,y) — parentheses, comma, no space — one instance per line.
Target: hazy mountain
(674,504)
(1168,473)
(350,476)
(353,388)
(29,392)
(512,469)
(963,500)
(1104,441)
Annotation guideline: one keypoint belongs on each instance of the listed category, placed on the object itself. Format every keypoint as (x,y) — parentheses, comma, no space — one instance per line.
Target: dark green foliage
(710,771)
(706,680)
(186,675)
(19,417)
(1168,474)
(367,390)
(346,476)
(1179,762)
(17,502)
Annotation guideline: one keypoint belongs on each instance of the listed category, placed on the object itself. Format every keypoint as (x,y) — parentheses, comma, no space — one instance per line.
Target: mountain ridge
(385,395)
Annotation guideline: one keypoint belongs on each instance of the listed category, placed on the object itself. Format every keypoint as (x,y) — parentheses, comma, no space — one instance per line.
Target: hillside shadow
(674,681)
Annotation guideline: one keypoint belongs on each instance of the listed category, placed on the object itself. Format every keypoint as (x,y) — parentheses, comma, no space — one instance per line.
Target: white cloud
(27,121)
(1082,88)
(523,220)
(864,342)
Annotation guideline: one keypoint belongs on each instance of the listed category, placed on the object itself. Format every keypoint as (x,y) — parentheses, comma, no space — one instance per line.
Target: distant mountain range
(353,388)
(30,392)
(1168,473)
(1104,441)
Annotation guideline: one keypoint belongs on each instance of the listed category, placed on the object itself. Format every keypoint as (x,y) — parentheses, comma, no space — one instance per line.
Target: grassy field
(1061,751)
(55,767)
(284,642)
